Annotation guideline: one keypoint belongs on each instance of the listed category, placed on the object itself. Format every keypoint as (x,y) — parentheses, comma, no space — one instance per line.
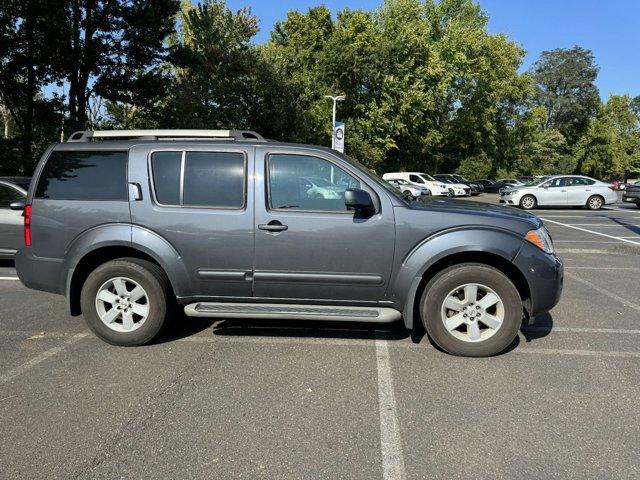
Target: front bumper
(545,277)
(630,197)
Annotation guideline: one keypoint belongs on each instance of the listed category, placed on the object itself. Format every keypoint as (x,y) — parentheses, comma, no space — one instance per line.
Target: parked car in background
(476,188)
(494,186)
(511,181)
(456,189)
(419,179)
(632,193)
(409,189)
(125,227)
(22,182)
(561,190)
(11,236)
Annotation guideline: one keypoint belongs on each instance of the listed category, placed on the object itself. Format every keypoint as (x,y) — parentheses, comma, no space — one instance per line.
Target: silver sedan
(561,190)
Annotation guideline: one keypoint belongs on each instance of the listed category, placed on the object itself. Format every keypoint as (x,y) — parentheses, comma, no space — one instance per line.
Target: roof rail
(91,135)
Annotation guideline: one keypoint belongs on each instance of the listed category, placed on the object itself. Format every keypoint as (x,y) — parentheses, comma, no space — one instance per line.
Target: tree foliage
(427,86)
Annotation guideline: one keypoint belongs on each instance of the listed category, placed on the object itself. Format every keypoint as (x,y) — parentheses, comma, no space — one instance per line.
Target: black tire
(638,204)
(455,276)
(595,202)
(150,277)
(528,204)
(451,194)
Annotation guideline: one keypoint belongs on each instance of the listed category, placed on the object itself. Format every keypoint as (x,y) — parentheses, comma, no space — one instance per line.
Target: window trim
(183,162)
(267,178)
(41,172)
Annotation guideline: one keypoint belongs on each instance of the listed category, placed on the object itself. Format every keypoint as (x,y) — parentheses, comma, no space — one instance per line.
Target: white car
(561,190)
(421,180)
(407,188)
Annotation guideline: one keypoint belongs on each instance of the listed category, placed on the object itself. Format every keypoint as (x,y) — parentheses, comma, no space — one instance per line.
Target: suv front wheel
(124,301)
(471,310)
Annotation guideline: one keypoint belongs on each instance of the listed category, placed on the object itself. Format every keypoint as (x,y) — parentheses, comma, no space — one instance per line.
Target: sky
(610,29)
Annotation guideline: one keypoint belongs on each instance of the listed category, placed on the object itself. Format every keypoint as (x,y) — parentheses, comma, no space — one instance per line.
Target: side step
(292,312)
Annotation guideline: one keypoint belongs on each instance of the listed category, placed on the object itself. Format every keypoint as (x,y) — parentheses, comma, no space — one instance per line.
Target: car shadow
(540,327)
(625,223)
(183,326)
(4,263)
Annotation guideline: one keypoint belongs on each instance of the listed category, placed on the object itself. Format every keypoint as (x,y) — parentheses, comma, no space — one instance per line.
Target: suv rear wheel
(124,301)
(471,310)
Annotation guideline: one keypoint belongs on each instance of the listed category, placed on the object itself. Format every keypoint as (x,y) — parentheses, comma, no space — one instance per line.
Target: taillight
(27,225)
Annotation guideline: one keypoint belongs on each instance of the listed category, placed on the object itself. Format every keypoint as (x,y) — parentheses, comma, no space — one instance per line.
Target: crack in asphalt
(143,413)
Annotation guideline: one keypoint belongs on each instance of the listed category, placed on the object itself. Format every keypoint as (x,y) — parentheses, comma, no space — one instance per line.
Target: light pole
(335,100)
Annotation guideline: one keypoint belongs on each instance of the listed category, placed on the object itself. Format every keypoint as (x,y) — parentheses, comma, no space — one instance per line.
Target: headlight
(541,239)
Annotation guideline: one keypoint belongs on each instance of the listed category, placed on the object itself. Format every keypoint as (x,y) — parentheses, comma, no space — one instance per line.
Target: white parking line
(591,231)
(604,225)
(603,291)
(581,353)
(617,331)
(390,442)
(19,370)
(635,269)
(9,278)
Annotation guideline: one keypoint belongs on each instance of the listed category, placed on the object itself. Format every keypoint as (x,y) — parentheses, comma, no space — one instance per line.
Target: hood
(632,187)
(475,213)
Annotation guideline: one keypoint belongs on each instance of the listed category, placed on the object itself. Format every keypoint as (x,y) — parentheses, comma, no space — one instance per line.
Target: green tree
(565,87)
(214,67)
(29,38)
(611,145)
(114,49)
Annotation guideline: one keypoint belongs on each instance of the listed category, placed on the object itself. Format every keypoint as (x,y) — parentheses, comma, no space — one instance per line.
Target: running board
(292,312)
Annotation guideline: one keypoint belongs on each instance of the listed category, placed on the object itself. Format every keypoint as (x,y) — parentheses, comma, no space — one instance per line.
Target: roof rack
(236,135)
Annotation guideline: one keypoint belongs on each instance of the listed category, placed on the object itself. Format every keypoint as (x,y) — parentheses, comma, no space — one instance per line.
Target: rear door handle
(273,226)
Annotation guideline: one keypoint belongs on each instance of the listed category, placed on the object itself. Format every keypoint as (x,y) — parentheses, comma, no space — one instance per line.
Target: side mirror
(358,200)
(19,205)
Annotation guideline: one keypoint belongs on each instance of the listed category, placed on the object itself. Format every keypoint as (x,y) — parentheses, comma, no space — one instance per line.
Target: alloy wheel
(122,304)
(595,203)
(472,312)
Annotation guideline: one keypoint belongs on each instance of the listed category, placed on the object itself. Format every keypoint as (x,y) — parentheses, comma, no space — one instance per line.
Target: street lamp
(335,99)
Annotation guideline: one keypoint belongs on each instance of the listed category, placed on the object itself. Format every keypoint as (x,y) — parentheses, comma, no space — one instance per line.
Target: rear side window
(208,179)
(91,175)
(214,179)
(166,176)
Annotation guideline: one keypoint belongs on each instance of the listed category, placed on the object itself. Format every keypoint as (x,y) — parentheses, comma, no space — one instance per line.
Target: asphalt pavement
(299,400)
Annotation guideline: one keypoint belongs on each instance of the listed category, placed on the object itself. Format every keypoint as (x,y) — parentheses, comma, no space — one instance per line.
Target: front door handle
(273,226)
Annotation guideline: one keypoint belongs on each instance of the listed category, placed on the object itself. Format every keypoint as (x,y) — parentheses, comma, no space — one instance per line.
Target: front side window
(90,175)
(303,182)
(554,183)
(416,179)
(9,195)
(209,179)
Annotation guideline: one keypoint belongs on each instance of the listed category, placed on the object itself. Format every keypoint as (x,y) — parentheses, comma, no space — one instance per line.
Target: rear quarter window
(88,175)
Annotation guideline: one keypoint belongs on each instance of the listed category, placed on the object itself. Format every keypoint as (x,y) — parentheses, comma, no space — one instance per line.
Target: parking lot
(292,400)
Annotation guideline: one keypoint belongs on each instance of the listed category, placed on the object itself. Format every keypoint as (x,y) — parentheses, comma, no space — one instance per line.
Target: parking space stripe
(390,442)
(619,331)
(19,370)
(9,278)
(602,268)
(591,231)
(582,353)
(603,291)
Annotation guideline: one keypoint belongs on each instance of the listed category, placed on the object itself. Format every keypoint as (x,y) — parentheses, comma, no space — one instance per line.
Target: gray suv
(128,224)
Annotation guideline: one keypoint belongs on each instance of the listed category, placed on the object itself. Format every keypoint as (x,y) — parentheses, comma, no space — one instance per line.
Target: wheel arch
(106,243)
(496,249)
